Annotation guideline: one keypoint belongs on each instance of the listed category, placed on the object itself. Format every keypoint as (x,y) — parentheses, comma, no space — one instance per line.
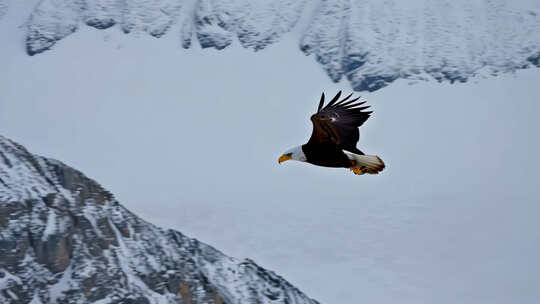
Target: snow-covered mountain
(65,239)
(370,42)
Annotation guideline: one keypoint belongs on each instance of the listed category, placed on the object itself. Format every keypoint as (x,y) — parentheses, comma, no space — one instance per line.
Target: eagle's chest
(326,155)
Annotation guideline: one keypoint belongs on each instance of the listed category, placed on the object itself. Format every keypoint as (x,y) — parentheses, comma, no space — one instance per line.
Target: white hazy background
(189,139)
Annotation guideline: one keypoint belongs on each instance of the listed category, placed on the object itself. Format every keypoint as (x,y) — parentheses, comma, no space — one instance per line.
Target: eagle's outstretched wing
(338,122)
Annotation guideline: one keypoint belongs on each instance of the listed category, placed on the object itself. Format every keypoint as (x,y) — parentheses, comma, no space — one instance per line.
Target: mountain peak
(65,239)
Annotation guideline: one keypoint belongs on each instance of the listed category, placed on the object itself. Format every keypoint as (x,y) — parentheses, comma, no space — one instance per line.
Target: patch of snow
(123,257)
(90,212)
(12,295)
(35,299)
(105,300)
(51,226)
(62,285)
(20,180)
(7,279)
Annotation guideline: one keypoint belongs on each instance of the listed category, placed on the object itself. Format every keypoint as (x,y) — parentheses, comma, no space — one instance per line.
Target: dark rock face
(65,239)
(535,59)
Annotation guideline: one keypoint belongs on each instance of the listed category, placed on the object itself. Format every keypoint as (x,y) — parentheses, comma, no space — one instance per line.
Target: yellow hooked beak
(284,157)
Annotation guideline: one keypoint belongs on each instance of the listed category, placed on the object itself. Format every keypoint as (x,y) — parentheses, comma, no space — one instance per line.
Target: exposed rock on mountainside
(370,42)
(3,7)
(65,239)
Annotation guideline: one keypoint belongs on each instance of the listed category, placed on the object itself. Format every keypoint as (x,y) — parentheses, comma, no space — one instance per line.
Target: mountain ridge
(4,5)
(65,239)
(370,43)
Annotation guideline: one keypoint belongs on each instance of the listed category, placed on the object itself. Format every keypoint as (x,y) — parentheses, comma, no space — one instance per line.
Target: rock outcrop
(65,239)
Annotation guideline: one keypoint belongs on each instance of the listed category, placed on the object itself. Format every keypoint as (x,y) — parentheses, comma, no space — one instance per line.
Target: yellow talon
(357,171)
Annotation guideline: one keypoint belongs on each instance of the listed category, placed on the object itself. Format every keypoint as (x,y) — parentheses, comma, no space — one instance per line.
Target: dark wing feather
(344,99)
(338,122)
(321,103)
(334,99)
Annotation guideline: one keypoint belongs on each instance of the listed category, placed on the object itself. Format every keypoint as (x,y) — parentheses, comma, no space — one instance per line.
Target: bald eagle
(334,138)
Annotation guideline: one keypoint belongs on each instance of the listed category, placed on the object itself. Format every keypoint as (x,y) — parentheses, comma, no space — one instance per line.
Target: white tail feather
(371,164)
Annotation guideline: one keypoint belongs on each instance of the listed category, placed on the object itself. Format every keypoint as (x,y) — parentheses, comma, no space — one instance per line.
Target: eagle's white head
(295,153)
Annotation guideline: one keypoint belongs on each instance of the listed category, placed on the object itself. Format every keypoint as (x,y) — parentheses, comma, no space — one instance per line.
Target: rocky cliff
(65,239)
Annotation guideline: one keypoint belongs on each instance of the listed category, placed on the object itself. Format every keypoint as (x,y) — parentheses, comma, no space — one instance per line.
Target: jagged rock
(65,239)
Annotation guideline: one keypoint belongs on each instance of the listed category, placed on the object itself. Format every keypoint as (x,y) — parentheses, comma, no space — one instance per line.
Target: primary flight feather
(334,137)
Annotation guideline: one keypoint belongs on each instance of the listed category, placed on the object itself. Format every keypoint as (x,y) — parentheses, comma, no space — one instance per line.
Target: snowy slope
(65,239)
(369,42)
